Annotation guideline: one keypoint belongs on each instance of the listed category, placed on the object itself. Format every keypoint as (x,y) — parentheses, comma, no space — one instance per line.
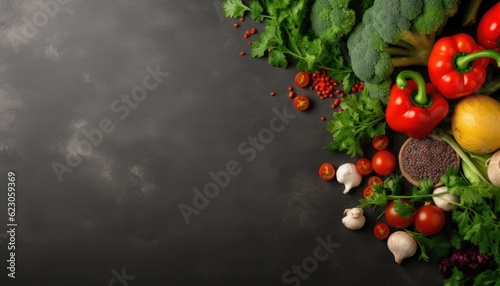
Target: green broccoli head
(431,18)
(434,15)
(396,33)
(369,60)
(392,18)
(386,18)
(332,19)
(411,9)
(451,7)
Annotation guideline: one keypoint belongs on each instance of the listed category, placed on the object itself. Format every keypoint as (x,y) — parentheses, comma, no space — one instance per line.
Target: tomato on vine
(429,219)
(395,219)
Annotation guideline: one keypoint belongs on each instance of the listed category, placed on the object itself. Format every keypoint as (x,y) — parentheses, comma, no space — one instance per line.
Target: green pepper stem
(421,95)
(463,62)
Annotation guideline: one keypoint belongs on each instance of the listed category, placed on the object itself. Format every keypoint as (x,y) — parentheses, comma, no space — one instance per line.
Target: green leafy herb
(404,209)
(438,244)
(488,277)
(287,35)
(361,119)
(477,214)
(477,217)
(467,266)
(424,188)
(457,278)
(391,190)
(473,165)
(234,8)
(381,197)
(256,11)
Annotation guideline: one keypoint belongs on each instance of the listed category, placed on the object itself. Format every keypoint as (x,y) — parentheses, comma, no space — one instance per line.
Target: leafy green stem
(439,244)
(463,155)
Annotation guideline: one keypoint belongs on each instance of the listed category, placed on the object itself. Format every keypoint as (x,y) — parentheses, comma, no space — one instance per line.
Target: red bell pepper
(457,65)
(488,29)
(415,108)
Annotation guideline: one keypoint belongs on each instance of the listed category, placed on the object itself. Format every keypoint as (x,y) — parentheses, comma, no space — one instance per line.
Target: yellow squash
(475,124)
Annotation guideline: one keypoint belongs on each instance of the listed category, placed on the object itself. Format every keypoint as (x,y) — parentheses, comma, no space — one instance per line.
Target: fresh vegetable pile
(387,66)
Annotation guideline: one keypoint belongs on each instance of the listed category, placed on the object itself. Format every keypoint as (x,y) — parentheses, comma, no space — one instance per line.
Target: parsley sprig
(438,244)
(477,213)
(361,119)
(391,190)
(287,34)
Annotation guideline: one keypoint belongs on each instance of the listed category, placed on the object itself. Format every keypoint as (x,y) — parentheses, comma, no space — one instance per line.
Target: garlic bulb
(349,176)
(402,245)
(445,201)
(493,164)
(354,218)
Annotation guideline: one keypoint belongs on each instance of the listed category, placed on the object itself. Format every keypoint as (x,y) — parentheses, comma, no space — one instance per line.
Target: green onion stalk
(473,165)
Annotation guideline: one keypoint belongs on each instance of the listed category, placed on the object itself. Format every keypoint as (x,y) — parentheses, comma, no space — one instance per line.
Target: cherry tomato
(429,219)
(383,162)
(395,219)
(380,142)
(301,102)
(381,231)
(326,171)
(368,192)
(301,79)
(364,166)
(375,180)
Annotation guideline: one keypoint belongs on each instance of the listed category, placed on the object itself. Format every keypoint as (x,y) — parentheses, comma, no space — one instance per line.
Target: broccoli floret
(451,7)
(411,9)
(380,90)
(431,18)
(396,33)
(371,64)
(385,16)
(332,19)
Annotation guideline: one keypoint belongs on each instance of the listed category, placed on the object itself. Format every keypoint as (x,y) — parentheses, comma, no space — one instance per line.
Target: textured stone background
(114,213)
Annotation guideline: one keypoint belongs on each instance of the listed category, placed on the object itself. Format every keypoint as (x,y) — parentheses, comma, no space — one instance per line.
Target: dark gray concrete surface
(101,176)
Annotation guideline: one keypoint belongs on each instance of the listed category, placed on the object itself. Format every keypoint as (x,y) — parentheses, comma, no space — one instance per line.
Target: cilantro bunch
(288,35)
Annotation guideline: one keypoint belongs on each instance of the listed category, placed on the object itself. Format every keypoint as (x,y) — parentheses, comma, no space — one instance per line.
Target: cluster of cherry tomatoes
(383,162)
(428,219)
